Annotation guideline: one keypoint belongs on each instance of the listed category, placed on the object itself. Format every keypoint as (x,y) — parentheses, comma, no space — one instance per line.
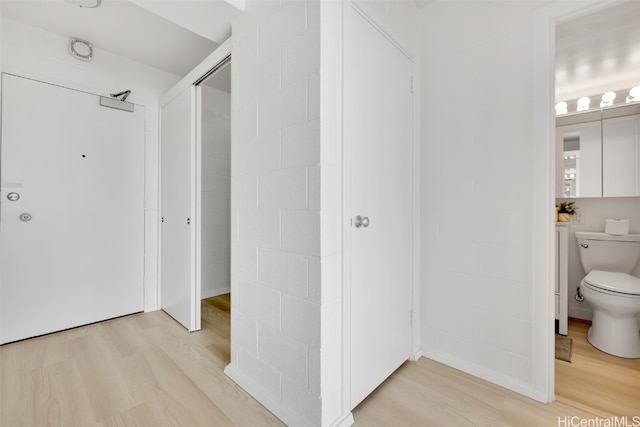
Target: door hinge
(411,85)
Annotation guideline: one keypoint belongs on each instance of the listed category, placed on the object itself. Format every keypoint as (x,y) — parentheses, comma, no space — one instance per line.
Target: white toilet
(612,292)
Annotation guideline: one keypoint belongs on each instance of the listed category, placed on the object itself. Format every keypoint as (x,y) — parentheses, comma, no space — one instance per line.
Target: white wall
(41,55)
(477,185)
(594,212)
(275,205)
(216,192)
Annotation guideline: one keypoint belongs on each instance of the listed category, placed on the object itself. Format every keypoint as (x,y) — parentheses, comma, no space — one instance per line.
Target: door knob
(360,221)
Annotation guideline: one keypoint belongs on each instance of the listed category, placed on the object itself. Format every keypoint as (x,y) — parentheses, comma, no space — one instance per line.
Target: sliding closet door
(72,209)
(180,297)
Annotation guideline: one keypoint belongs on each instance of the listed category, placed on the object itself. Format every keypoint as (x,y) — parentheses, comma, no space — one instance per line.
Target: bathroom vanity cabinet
(562,276)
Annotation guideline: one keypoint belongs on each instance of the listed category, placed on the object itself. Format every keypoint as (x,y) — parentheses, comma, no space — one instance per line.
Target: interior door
(378,133)
(72,209)
(179,293)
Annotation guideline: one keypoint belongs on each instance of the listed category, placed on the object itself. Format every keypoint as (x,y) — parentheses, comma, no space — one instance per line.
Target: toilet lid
(621,283)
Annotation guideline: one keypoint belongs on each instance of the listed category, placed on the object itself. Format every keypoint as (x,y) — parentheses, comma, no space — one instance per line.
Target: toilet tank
(601,251)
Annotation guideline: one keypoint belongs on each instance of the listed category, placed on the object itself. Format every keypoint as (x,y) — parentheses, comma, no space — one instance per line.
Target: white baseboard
(417,354)
(345,421)
(581,313)
(487,375)
(265,398)
(151,308)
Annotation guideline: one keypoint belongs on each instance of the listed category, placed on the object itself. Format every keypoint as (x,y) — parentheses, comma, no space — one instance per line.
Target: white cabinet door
(378,127)
(78,169)
(562,277)
(179,294)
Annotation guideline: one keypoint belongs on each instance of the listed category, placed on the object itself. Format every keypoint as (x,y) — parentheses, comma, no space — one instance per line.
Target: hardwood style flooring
(146,370)
(428,394)
(139,370)
(605,384)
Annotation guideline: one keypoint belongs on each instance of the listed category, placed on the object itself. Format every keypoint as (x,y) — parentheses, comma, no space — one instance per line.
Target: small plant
(567,208)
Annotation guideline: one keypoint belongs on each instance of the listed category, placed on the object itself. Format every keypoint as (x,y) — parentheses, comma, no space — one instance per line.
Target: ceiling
(594,53)
(598,52)
(138,30)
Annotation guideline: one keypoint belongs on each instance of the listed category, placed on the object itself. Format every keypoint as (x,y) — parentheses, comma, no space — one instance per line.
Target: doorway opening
(602,382)
(196,196)
(213,123)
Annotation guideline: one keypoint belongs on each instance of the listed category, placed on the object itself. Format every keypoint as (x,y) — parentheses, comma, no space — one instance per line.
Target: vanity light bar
(607,100)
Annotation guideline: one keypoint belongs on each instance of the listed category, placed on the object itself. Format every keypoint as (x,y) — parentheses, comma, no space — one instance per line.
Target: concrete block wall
(275,208)
(477,297)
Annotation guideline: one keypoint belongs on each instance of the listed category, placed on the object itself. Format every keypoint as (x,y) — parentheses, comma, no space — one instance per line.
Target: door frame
(218,57)
(416,351)
(544,186)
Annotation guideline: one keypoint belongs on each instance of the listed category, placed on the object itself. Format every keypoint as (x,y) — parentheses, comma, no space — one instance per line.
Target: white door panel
(79,170)
(178,294)
(378,131)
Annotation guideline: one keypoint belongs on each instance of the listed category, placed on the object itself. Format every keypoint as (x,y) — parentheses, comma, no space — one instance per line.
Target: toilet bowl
(611,291)
(615,298)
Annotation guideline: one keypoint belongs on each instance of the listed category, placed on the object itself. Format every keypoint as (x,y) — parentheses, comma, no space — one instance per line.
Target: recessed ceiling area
(129,30)
(598,52)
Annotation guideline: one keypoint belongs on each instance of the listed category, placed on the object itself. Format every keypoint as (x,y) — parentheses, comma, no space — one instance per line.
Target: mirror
(582,162)
(598,153)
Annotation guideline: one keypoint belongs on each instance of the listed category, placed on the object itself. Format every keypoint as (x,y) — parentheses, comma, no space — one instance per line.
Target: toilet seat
(611,282)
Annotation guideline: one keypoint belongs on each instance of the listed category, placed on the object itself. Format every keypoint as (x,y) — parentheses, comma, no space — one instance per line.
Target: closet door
(72,209)
(179,294)
(378,126)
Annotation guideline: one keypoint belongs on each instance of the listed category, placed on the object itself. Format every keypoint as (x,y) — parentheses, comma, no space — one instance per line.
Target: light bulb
(561,108)
(634,94)
(583,103)
(607,99)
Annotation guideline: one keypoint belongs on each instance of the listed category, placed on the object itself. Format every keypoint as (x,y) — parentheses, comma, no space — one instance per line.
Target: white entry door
(180,297)
(72,209)
(378,133)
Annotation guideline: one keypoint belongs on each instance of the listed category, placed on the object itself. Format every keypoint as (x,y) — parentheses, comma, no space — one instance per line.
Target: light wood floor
(139,370)
(146,370)
(607,385)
